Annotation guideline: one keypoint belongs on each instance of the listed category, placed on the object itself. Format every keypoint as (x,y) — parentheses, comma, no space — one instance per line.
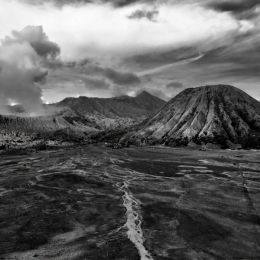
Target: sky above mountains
(105,48)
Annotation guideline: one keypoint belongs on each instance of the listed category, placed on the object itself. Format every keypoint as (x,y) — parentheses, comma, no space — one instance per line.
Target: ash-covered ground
(136,203)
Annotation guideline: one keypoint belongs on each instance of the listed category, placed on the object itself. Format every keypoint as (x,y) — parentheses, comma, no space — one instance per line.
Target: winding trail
(134,220)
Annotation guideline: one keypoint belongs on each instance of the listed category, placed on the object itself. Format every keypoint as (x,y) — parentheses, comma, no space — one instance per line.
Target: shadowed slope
(140,106)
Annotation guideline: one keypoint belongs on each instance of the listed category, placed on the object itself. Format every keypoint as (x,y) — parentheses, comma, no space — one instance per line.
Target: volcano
(218,114)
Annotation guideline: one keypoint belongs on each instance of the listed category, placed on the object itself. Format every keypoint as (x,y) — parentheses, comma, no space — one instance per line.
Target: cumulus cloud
(35,36)
(21,72)
(176,25)
(114,76)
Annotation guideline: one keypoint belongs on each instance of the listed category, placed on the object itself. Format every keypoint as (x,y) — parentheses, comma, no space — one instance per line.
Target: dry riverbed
(136,203)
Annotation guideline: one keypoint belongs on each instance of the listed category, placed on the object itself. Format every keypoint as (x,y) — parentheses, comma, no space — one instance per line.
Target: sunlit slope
(216,114)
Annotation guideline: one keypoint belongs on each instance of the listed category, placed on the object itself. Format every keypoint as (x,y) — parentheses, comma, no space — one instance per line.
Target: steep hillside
(212,114)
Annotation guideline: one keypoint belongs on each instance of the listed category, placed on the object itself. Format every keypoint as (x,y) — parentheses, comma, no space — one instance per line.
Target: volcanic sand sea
(136,203)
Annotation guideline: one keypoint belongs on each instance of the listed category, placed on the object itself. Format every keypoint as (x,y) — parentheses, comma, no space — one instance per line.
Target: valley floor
(145,203)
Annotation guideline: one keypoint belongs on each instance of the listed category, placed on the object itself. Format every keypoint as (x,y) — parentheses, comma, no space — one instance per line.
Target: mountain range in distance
(139,107)
(75,119)
(221,115)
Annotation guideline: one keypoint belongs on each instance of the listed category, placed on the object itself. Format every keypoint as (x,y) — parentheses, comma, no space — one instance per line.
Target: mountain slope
(76,118)
(140,106)
(64,125)
(212,114)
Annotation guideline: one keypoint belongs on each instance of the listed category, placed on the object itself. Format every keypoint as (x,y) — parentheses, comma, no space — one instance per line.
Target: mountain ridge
(76,120)
(140,106)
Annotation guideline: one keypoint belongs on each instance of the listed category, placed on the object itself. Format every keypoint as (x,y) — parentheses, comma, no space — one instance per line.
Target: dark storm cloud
(144,14)
(117,3)
(235,59)
(241,57)
(242,9)
(221,5)
(121,78)
(95,83)
(40,77)
(174,85)
(236,64)
(46,49)
(124,2)
(87,76)
(234,5)
(162,57)
(115,76)
(35,36)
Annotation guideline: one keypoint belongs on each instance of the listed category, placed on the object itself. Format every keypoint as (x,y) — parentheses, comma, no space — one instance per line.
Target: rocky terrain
(222,115)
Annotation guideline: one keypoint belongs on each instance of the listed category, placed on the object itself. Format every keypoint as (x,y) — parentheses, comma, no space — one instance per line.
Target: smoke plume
(21,69)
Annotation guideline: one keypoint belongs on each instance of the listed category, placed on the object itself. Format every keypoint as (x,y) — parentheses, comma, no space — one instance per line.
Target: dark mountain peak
(148,96)
(217,114)
(222,93)
(144,93)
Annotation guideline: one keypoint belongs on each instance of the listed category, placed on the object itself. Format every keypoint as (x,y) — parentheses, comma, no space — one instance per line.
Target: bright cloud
(98,30)
(133,45)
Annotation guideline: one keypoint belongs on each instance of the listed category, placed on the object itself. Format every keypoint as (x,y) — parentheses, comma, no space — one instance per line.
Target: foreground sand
(136,203)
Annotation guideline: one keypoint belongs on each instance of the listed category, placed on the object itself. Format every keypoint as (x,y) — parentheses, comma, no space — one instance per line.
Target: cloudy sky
(105,48)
